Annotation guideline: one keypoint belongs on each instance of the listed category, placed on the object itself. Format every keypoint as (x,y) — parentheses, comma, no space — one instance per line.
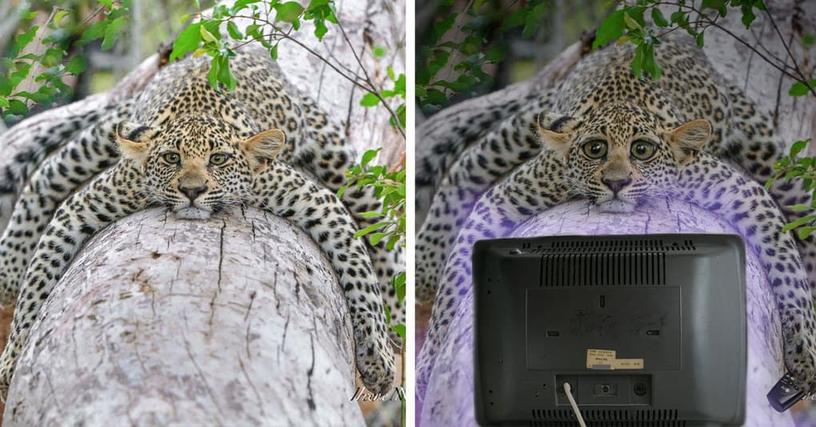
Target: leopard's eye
(594,149)
(218,159)
(171,158)
(643,150)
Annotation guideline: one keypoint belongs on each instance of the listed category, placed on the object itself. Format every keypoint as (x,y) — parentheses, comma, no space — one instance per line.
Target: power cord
(568,392)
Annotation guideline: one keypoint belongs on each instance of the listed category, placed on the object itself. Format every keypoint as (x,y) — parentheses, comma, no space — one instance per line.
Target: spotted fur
(182,145)
(607,136)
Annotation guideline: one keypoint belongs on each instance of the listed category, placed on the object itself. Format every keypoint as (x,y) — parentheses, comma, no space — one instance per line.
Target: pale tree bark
(233,321)
(449,395)
(236,320)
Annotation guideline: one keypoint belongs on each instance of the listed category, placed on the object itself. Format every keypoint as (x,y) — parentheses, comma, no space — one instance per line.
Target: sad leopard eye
(219,159)
(171,158)
(594,149)
(643,150)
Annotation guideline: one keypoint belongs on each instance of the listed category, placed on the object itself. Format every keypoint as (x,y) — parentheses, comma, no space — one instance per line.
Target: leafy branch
(464,41)
(35,75)
(802,168)
(630,24)
(205,37)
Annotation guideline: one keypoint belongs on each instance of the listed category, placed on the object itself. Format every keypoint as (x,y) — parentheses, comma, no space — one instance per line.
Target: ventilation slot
(613,245)
(605,417)
(603,269)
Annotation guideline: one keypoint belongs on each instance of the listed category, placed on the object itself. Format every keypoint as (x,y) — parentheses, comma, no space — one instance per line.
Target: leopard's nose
(192,193)
(617,185)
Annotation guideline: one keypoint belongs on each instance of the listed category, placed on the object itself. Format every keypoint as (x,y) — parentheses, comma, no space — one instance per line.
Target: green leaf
(637,61)
(233,31)
(376,238)
(187,41)
(215,71)
(112,32)
(22,40)
(225,75)
(369,100)
(399,286)
(76,65)
(611,28)
(17,107)
(378,52)
(59,16)
(94,32)
(400,330)
(370,229)
(631,23)
(798,89)
(659,19)
(699,40)
(798,223)
(320,29)
(289,11)
(206,35)
(747,14)
(805,232)
(242,4)
(798,146)
(368,156)
(273,52)
(800,208)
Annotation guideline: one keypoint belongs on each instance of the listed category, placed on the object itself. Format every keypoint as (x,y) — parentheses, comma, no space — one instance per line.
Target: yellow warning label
(606,359)
(600,359)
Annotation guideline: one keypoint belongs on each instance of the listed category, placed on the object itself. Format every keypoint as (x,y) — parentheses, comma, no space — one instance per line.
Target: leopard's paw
(375,361)
(6,371)
(800,360)
(425,284)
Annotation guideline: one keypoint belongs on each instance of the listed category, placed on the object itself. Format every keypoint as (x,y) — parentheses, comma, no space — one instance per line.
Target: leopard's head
(620,154)
(197,165)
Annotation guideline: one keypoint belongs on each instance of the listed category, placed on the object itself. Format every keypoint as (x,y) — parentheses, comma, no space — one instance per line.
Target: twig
(713,23)
(369,85)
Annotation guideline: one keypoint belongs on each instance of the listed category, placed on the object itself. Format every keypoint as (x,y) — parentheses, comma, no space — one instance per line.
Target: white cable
(568,392)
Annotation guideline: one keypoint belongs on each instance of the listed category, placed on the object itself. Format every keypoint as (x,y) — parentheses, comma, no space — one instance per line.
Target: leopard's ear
(688,139)
(556,132)
(134,140)
(264,146)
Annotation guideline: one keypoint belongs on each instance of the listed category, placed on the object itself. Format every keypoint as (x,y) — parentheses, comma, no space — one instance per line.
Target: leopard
(199,151)
(618,139)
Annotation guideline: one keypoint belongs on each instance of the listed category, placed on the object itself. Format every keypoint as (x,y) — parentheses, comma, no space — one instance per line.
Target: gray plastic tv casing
(676,301)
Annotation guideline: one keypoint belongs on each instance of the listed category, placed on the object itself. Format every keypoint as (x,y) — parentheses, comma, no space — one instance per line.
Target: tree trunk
(448,399)
(235,320)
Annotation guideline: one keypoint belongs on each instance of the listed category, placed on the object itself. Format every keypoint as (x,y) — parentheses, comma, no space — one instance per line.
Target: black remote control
(785,393)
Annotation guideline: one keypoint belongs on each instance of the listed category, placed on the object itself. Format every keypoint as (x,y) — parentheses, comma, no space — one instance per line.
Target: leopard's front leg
(110,196)
(75,163)
(483,164)
(327,155)
(529,190)
(712,184)
(287,193)
(751,142)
